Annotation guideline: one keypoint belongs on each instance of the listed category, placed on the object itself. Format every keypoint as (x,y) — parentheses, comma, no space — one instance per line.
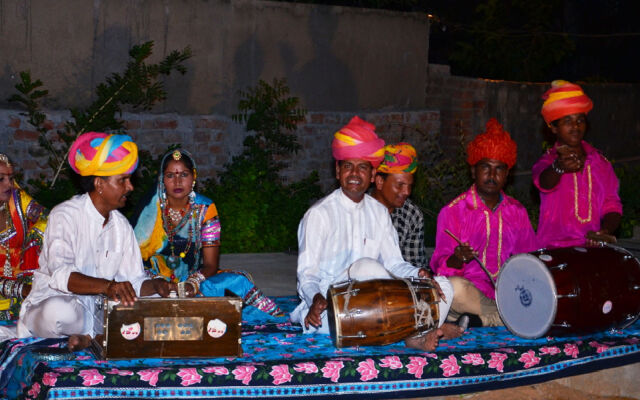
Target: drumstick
(486,271)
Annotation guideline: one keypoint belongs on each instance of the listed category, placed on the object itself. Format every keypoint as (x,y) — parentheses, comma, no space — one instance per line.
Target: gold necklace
(488,229)
(575,196)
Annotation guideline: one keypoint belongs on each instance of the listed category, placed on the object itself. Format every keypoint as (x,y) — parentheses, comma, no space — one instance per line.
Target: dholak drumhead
(569,290)
(526,296)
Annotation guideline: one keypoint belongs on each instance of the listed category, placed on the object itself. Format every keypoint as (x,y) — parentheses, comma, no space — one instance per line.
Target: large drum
(568,291)
(381,311)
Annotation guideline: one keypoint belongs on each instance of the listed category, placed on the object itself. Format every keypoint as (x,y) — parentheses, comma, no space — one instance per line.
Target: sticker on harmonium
(130,331)
(216,328)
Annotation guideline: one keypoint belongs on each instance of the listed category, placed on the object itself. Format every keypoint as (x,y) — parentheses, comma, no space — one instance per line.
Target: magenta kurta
(495,235)
(578,202)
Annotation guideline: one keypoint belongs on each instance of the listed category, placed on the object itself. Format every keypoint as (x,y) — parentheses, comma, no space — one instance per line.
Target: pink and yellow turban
(358,139)
(399,158)
(101,154)
(564,98)
(495,144)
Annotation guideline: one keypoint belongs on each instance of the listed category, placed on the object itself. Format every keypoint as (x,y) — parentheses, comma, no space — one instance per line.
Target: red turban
(101,154)
(495,144)
(399,158)
(564,98)
(358,139)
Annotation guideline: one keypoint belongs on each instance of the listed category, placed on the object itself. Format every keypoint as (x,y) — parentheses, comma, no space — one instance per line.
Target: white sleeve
(390,251)
(58,251)
(311,239)
(131,268)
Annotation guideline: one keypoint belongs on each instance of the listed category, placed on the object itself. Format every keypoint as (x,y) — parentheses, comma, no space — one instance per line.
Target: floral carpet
(279,361)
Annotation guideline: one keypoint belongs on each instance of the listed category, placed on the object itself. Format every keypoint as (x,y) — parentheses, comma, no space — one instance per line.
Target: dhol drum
(569,290)
(381,311)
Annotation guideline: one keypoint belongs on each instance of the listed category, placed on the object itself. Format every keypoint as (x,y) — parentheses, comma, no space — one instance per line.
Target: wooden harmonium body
(173,328)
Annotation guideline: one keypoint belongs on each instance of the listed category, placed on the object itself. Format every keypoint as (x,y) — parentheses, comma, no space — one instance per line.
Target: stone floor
(275,274)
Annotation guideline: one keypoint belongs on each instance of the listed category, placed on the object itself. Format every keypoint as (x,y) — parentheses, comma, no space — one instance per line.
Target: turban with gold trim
(358,139)
(564,98)
(494,143)
(399,158)
(101,154)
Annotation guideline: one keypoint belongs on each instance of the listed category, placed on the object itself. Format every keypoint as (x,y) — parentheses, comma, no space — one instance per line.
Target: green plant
(438,180)
(139,87)
(630,196)
(258,211)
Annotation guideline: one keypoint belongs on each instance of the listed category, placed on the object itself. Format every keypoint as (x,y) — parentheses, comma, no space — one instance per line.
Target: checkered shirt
(409,223)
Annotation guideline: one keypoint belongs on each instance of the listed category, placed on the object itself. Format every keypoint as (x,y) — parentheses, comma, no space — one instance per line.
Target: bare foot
(428,342)
(451,331)
(78,342)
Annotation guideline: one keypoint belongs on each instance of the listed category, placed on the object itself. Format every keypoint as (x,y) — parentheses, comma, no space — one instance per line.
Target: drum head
(526,296)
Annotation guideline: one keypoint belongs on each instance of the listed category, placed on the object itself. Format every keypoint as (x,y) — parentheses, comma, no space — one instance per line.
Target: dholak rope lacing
(422,310)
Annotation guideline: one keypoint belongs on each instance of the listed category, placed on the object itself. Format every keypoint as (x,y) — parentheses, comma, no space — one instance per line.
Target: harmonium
(173,328)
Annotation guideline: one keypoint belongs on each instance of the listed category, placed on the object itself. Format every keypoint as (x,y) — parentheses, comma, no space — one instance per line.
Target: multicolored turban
(101,154)
(564,98)
(399,158)
(494,143)
(358,139)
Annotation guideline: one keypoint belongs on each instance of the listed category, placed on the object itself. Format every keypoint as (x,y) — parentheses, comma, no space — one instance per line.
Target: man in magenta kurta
(579,202)
(490,225)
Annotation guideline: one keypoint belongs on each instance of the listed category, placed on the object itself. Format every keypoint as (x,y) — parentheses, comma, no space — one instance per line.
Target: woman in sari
(179,236)
(22,223)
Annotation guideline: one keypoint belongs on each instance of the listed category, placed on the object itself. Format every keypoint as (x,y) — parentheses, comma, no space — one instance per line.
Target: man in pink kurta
(489,226)
(579,202)
(495,234)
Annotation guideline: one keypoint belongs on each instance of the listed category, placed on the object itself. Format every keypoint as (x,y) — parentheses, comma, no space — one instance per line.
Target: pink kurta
(578,202)
(495,235)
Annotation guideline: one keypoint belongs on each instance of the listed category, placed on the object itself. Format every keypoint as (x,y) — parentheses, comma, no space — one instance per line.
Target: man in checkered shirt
(393,182)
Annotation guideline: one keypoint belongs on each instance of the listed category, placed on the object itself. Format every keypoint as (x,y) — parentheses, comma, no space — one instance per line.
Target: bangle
(557,169)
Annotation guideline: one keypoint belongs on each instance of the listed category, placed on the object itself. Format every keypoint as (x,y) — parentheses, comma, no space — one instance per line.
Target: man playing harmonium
(89,248)
(348,225)
(482,225)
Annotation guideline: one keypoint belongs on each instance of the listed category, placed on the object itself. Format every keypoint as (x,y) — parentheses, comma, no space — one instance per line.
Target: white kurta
(333,234)
(76,241)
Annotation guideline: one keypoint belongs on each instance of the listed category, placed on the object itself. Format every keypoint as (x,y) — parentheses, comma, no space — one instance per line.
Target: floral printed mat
(279,361)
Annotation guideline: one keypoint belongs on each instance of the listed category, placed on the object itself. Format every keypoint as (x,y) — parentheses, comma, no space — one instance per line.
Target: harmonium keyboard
(173,328)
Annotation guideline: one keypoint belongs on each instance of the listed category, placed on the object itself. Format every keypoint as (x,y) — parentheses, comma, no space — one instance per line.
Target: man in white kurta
(333,234)
(77,241)
(348,226)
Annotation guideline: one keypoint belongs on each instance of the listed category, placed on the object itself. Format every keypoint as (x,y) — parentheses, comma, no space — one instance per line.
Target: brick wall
(215,139)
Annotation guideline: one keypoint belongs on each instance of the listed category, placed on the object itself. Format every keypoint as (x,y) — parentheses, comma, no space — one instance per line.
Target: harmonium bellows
(173,328)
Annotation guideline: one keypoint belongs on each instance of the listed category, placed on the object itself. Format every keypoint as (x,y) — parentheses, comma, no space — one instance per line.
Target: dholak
(568,290)
(381,311)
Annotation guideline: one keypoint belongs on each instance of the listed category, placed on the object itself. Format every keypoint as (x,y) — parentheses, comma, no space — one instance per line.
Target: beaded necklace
(172,231)
(575,196)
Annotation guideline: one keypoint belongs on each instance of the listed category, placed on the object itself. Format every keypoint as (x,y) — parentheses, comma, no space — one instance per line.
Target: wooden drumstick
(486,271)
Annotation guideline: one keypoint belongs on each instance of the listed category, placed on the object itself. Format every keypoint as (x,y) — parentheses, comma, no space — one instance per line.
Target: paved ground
(275,274)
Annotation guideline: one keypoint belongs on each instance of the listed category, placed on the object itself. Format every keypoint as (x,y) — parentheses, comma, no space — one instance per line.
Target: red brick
(48,124)
(165,124)
(132,124)
(215,149)
(211,123)
(22,134)
(317,118)
(148,124)
(14,122)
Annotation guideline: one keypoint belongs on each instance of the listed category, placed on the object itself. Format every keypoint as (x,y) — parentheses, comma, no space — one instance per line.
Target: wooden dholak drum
(570,290)
(381,311)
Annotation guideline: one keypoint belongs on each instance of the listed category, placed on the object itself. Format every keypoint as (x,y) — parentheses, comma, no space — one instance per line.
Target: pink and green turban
(495,143)
(101,154)
(358,139)
(564,98)
(399,158)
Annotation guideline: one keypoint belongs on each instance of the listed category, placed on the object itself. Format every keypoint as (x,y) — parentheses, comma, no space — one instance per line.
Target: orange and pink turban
(399,158)
(101,154)
(564,98)
(358,139)
(495,143)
